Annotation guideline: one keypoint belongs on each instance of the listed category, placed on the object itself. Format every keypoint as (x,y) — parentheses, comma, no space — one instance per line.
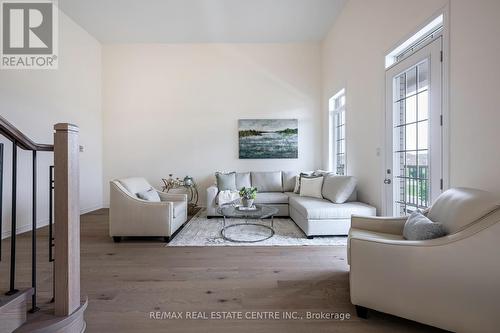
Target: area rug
(201,231)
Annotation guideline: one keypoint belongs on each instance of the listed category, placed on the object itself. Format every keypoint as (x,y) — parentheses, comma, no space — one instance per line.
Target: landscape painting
(268,138)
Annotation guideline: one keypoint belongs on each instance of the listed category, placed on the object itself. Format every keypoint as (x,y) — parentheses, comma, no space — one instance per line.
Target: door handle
(387,181)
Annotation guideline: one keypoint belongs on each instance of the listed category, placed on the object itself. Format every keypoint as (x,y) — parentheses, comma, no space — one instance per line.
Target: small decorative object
(248,195)
(188,183)
(268,138)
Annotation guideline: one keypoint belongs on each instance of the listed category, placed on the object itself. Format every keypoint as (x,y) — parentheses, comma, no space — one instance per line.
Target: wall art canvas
(268,138)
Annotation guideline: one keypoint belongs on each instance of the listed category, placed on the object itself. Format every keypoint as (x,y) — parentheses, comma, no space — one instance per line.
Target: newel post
(67,219)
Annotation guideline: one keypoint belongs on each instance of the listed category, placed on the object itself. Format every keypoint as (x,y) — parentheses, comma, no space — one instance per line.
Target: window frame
(337,141)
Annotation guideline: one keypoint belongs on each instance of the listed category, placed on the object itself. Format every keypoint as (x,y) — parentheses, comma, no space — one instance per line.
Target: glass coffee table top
(247,232)
(261,212)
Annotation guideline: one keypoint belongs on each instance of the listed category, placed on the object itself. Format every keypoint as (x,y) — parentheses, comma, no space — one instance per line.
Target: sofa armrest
(172,196)
(389,225)
(212,192)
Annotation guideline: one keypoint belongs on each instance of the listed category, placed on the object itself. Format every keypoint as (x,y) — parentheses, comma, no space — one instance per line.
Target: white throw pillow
(149,195)
(297,180)
(311,187)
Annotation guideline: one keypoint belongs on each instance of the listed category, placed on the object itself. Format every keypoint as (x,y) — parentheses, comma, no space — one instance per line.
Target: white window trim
(413,42)
(332,125)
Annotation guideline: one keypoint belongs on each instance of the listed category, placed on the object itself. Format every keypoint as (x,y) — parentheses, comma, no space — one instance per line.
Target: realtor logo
(29,34)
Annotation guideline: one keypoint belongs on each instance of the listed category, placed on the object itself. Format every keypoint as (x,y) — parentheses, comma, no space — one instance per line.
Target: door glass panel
(400,87)
(411,109)
(411,81)
(411,139)
(423,76)
(423,135)
(423,105)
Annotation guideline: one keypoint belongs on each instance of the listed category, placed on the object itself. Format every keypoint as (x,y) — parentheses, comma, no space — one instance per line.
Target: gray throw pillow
(243,180)
(149,195)
(419,227)
(226,181)
(338,189)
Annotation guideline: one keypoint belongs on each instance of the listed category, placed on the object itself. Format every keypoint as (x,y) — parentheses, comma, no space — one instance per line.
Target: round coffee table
(261,212)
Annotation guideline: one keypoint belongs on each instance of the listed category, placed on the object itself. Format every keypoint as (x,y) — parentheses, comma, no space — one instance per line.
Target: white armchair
(452,282)
(131,216)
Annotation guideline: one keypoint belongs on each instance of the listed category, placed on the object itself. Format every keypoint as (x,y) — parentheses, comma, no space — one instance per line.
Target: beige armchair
(452,282)
(131,216)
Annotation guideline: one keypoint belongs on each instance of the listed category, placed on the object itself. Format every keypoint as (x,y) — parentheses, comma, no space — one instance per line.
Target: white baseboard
(44,222)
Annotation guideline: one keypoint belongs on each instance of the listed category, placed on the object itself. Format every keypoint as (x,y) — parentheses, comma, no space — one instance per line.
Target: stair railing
(64,213)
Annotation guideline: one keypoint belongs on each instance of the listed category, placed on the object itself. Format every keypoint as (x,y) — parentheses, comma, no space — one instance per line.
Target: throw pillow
(243,180)
(311,186)
(226,181)
(419,227)
(149,195)
(338,189)
(297,181)
(323,173)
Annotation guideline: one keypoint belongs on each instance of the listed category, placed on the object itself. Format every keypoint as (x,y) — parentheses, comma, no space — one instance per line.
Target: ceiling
(204,21)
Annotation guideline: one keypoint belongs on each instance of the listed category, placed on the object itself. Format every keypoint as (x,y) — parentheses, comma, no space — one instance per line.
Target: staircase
(19,311)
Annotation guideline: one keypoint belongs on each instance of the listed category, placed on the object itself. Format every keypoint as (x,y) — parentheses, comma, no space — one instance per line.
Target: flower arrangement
(248,195)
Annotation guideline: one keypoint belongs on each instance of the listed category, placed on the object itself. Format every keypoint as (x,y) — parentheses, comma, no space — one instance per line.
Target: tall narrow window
(337,133)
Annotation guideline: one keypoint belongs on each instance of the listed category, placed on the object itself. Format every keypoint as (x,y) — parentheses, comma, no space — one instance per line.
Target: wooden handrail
(22,141)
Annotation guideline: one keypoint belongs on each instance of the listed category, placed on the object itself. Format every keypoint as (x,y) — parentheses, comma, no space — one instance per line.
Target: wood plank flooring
(127,281)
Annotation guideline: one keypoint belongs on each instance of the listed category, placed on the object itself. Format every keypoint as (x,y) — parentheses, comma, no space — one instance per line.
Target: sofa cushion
(135,185)
(319,209)
(267,181)
(458,207)
(271,198)
(419,227)
(338,189)
(226,181)
(311,187)
(149,195)
(243,180)
(289,178)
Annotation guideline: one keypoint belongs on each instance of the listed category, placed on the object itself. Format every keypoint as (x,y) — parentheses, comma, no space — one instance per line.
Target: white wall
(174,108)
(353,57)
(34,100)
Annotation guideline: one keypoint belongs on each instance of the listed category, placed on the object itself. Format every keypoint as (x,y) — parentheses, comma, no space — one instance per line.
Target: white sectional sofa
(315,216)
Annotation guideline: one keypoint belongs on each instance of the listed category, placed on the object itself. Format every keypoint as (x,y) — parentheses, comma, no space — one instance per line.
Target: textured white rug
(201,231)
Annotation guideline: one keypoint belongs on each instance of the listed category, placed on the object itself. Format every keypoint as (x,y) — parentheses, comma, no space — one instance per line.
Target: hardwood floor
(127,281)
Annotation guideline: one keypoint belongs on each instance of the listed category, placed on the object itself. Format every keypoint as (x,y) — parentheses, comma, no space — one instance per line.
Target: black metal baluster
(51,219)
(34,308)
(12,289)
(1,197)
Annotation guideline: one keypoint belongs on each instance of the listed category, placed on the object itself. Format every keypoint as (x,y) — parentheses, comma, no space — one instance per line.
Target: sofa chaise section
(321,217)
